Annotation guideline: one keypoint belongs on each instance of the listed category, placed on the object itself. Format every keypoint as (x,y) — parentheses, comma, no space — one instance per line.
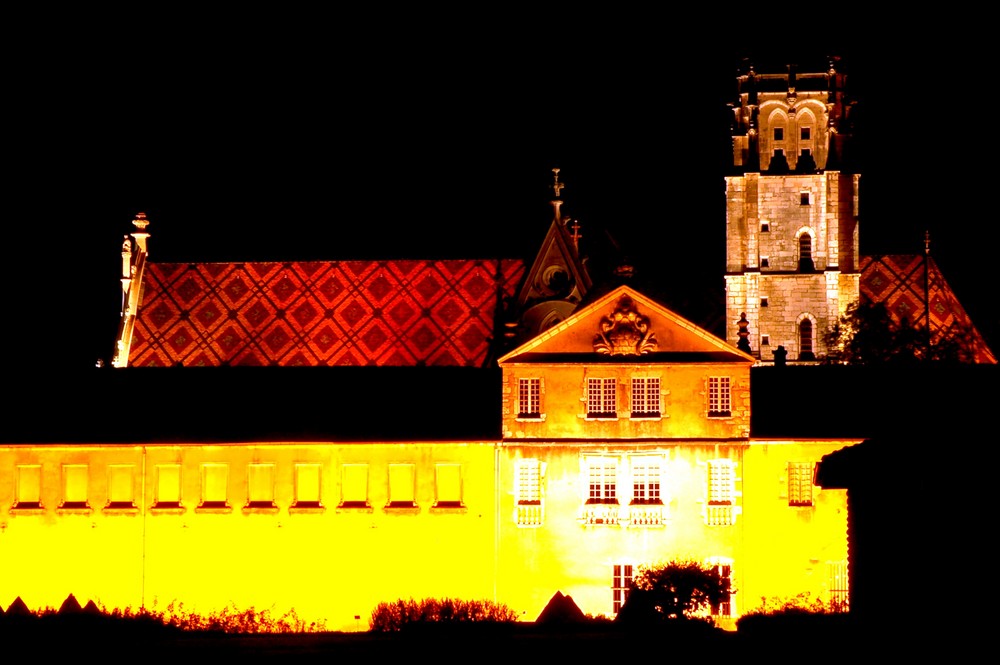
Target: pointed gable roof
(621,326)
(909,284)
(321,313)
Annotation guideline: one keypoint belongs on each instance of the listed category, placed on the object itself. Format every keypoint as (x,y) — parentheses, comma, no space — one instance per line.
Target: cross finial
(927,242)
(576,235)
(556,185)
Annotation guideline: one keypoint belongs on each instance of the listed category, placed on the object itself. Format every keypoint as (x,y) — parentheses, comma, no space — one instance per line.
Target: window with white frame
(74,477)
(307,485)
(601,402)
(448,485)
(28,491)
(724,567)
(837,583)
(800,485)
(529,398)
(527,480)
(528,511)
(354,486)
(721,482)
(621,580)
(260,486)
(646,478)
(121,486)
(168,486)
(214,485)
(719,396)
(602,479)
(401,485)
(645,397)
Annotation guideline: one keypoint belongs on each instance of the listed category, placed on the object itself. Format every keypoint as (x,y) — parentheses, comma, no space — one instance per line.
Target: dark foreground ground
(834,642)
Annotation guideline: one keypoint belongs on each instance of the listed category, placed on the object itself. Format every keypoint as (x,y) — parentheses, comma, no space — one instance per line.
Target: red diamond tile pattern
(320,313)
(898,281)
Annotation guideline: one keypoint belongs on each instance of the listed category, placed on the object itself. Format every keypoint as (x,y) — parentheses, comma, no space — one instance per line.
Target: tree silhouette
(674,590)
(867,335)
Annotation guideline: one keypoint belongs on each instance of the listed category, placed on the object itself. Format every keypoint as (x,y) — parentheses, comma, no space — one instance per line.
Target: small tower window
(779,133)
(765,227)
(804,196)
(805,133)
(765,340)
(805,253)
(763,301)
(764,262)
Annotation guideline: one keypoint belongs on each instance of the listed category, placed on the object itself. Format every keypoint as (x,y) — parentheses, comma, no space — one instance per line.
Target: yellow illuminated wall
(656,464)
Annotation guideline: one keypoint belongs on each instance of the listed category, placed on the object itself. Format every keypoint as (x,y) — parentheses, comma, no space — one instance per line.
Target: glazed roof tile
(321,313)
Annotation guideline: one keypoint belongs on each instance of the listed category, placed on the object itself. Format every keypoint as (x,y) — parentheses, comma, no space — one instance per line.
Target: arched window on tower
(805,253)
(806,340)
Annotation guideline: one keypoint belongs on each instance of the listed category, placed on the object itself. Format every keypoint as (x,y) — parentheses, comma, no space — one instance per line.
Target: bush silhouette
(401,614)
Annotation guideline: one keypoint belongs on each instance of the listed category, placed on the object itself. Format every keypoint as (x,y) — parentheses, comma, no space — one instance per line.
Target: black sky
(366,140)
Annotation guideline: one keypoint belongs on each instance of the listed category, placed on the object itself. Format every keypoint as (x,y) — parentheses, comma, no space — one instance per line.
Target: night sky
(377,141)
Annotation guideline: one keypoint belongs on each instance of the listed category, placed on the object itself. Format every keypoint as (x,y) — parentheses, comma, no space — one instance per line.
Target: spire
(556,202)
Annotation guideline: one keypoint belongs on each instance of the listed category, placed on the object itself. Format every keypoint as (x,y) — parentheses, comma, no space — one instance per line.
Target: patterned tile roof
(898,280)
(321,313)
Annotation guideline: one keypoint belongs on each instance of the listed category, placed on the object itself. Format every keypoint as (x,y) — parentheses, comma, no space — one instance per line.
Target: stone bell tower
(792,264)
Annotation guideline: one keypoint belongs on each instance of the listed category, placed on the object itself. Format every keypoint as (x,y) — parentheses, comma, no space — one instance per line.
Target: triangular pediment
(625,325)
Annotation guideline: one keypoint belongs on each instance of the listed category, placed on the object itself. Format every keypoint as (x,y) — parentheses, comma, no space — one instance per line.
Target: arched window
(806,340)
(805,253)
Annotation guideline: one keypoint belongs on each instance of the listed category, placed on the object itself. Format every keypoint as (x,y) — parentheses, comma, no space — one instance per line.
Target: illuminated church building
(476,429)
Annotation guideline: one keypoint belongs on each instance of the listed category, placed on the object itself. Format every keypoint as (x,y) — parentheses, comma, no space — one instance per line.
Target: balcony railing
(530,514)
(720,515)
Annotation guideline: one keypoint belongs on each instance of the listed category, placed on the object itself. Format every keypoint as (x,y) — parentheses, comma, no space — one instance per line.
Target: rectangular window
(121,486)
(529,398)
(800,485)
(804,198)
(646,480)
(214,485)
(837,583)
(621,580)
(645,397)
(719,403)
(725,570)
(763,302)
(601,398)
(765,340)
(74,485)
(528,481)
(765,227)
(448,485)
(29,486)
(528,492)
(307,486)
(779,133)
(602,474)
(805,133)
(354,486)
(401,485)
(260,486)
(721,482)
(168,486)
(765,262)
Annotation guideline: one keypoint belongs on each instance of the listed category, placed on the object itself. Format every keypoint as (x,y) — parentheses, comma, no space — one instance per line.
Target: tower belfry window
(806,340)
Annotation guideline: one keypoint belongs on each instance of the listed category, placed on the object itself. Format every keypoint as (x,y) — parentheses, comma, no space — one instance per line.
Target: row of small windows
(214,487)
(602,397)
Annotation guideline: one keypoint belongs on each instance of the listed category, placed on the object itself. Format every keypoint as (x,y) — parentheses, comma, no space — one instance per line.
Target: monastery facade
(325,436)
